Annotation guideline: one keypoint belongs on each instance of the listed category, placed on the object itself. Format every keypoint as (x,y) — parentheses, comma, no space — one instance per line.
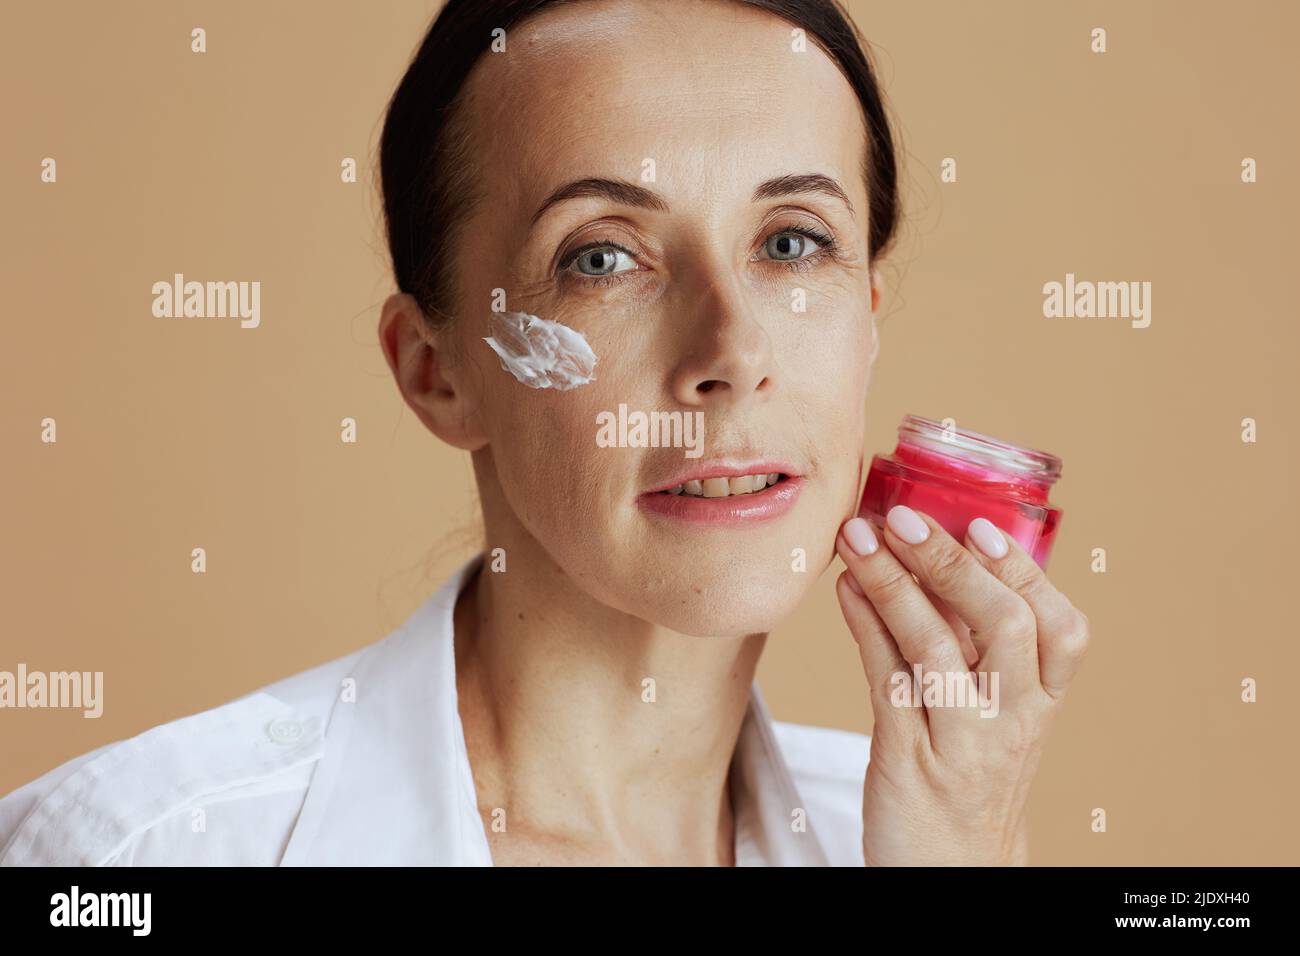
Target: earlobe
(417,358)
(875,311)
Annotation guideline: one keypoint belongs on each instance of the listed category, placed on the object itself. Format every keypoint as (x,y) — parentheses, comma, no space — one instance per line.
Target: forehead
(712,91)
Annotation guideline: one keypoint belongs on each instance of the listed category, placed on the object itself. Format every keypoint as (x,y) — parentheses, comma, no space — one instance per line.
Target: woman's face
(703,289)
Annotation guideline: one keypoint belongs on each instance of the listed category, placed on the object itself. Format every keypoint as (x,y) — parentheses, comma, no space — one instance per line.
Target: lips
(726,493)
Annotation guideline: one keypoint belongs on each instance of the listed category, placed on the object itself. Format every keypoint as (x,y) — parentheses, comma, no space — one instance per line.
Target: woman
(595,207)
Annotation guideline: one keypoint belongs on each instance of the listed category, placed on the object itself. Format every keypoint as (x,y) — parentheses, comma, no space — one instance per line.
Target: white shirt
(362,761)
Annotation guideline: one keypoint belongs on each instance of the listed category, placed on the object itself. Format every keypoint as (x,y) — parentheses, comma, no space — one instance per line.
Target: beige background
(172,435)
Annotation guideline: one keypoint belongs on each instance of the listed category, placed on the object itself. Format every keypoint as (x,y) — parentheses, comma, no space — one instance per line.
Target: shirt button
(284,730)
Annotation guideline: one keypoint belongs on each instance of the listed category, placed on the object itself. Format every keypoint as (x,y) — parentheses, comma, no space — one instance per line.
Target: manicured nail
(858,533)
(988,538)
(907,524)
(853,584)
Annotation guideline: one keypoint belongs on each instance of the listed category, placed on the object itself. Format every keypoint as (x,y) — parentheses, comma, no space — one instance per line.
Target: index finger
(923,637)
(1002,625)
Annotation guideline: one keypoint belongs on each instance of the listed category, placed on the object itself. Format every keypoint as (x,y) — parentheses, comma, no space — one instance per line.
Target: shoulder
(829,767)
(223,786)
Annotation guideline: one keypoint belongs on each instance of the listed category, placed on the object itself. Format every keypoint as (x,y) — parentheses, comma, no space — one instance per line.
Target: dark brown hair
(427,172)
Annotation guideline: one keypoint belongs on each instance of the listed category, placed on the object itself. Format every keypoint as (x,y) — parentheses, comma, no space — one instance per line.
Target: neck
(596,731)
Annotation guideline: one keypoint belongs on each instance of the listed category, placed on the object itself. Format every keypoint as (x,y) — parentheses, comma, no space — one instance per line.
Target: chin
(730,606)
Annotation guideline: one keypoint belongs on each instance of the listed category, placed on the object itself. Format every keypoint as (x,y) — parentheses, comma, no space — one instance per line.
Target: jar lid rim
(984,449)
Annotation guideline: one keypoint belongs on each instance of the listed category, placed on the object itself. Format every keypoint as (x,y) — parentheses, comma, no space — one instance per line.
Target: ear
(419,361)
(876,287)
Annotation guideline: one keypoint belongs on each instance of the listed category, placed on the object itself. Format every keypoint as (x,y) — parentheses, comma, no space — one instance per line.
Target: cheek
(831,363)
(560,485)
(544,440)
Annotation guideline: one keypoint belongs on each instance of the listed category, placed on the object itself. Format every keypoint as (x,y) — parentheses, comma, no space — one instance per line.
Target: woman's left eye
(791,245)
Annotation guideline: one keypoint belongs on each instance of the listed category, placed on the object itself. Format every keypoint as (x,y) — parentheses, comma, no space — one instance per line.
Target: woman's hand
(949,784)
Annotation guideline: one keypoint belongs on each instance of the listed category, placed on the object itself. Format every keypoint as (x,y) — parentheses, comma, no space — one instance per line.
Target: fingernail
(988,538)
(853,584)
(858,533)
(907,524)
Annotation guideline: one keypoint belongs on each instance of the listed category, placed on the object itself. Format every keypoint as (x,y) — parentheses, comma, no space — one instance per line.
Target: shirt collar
(395,787)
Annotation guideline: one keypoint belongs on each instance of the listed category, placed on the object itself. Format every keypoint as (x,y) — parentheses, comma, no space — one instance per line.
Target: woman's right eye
(600,260)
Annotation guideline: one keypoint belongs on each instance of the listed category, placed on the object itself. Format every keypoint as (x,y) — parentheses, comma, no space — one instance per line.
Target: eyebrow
(630,194)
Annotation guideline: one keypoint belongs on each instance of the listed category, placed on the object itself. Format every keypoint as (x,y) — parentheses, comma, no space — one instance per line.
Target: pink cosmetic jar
(955,476)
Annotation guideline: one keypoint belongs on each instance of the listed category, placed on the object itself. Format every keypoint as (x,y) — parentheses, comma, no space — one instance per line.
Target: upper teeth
(721,487)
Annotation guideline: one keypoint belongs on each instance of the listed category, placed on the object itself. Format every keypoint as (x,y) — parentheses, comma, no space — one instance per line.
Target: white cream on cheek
(540,353)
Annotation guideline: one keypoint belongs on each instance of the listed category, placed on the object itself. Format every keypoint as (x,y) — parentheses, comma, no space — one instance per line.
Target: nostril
(706,386)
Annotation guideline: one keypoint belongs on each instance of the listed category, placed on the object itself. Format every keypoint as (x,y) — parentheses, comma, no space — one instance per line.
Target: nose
(726,353)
